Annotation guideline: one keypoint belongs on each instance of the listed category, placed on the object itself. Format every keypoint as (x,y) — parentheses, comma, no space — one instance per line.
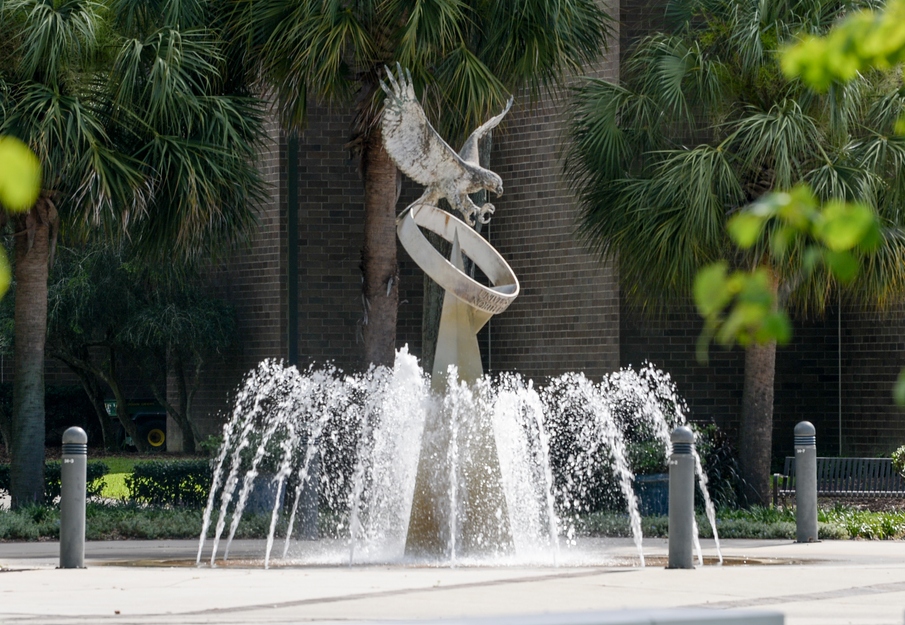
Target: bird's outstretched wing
(418,150)
(469,151)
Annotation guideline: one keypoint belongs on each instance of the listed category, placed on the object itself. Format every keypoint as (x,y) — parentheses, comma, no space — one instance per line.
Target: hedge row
(178,483)
(171,483)
(53,478)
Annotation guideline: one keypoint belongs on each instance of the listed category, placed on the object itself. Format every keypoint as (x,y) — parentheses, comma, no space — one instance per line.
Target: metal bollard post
(805,482)
(681,499)
(73,475)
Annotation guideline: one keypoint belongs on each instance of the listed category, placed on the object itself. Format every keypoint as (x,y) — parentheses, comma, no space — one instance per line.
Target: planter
(261,498)
(653,494)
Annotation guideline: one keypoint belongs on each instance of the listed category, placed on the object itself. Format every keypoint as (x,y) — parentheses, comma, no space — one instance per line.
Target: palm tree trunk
(33,241)
(380,289)
(756,441)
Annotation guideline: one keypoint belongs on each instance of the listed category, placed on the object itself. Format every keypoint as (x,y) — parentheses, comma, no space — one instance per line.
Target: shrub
(720,462)
(176,483)
(30,523)
(898,460)
(646,457)
(211,445)
(53,479)
(730,524)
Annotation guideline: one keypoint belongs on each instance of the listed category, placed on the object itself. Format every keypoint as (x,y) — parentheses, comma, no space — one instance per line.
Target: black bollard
(805,482)
(681,499)
(73,475)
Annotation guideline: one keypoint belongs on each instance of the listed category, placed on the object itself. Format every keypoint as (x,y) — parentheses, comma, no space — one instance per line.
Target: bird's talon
(485,213)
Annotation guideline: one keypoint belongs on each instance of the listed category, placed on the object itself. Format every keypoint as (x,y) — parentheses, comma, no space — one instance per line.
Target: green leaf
(800,208)
(6,274)
(844,225)
(20,175)
(711,289)
(781,240)
(756,289)
(872,239)
(740,322)
(900,125)
(813,256)
(775,327)
(745,229)
(842,265)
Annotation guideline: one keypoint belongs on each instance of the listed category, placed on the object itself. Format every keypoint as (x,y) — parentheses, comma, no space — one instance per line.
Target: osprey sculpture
(422,154)
(468,305)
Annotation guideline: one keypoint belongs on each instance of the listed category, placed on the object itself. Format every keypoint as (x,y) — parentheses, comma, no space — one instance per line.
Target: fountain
(456,467)
(555,447)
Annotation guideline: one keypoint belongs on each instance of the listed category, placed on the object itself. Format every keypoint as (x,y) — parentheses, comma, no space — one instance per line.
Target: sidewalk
(828,583)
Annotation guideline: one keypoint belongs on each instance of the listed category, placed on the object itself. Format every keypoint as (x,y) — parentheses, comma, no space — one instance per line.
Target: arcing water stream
(556,445)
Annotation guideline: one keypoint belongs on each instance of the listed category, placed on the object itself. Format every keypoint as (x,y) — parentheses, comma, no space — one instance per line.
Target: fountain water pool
(556,446)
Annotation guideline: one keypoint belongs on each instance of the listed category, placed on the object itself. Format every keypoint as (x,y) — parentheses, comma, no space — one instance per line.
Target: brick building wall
(566,317)
(668,340)
(873,354)
(639,18)
(807,378)
(253,279)
(331,234)
(329,239)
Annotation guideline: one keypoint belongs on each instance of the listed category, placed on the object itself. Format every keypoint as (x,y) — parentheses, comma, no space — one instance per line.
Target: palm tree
(703,123)
(465,58)
(129,108)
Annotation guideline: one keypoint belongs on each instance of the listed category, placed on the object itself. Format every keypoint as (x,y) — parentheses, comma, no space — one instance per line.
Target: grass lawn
(119,464)
(120,467)
(115,486)
(115,480)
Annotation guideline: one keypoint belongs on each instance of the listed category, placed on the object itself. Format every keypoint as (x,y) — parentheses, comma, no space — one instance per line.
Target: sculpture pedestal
(459,507)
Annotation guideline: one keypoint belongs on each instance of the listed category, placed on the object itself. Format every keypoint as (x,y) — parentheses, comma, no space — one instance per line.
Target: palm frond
(885,110)
(137,18)
(676,215)
(468,93)
(163,74)
(538,43)
(598,149)
(782,138)
(429,29)
(881,280)
(833,180)
(53,33)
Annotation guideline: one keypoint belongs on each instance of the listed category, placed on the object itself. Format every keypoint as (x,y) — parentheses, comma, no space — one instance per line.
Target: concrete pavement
(828,583)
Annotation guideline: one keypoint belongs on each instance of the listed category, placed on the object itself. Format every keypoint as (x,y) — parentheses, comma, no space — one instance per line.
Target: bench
(845,477)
